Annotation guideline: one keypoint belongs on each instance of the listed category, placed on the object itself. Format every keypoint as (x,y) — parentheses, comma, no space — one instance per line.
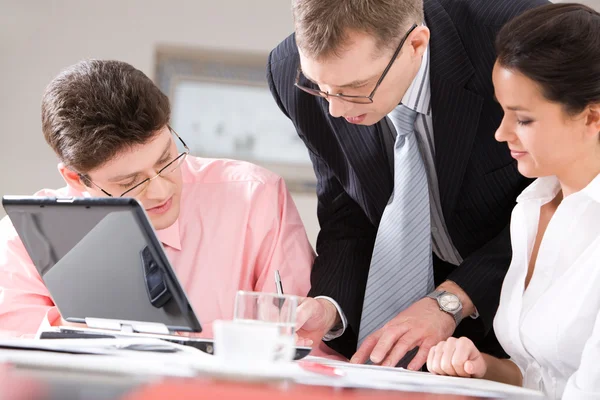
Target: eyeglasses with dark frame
(349,98)
(139,188)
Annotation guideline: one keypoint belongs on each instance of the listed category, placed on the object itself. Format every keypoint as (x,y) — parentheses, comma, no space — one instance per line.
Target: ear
(593,120)
(419,40)
(71,178)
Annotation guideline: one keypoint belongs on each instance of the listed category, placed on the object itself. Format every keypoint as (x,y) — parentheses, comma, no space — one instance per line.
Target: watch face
(449,302)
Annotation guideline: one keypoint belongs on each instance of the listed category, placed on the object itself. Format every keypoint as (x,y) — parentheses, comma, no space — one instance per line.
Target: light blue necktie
(401,269)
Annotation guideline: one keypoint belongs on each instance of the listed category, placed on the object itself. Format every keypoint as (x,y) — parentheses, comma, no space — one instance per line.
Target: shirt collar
(546,188)
(418,95)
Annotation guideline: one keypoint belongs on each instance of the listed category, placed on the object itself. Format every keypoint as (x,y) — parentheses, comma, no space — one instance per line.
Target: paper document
(98,346)
(154,357)
(94,358)
(148,357)
(376,377)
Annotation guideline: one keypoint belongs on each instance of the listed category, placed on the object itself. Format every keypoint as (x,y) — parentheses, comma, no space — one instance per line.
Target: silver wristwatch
(449,303)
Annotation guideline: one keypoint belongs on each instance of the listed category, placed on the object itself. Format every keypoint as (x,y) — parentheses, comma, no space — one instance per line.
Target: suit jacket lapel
(455,119)
(369,181)
(455,109)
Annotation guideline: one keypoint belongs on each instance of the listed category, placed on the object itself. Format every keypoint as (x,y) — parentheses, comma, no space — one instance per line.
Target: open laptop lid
(102,263)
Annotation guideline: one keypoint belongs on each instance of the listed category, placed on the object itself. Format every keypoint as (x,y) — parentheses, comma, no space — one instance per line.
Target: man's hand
(314,318)
(422,324)
(456,357)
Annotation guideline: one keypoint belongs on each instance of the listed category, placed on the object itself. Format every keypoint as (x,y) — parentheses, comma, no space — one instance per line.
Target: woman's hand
(456,357)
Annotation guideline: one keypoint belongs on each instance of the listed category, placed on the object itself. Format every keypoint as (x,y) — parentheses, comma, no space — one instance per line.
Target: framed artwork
(222,107)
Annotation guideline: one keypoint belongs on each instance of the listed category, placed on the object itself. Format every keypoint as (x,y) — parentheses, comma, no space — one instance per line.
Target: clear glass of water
(257,308)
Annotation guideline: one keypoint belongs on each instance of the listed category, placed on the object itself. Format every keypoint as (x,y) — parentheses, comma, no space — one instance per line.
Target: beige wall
(40,37)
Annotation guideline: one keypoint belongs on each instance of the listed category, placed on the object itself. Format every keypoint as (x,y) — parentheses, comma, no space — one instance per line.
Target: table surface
(19,383)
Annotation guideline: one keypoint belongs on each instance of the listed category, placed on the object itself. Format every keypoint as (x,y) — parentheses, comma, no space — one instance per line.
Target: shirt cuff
(51,317)
(337,330)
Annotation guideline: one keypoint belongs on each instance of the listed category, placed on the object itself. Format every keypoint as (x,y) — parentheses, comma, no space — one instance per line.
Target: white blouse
(552,329)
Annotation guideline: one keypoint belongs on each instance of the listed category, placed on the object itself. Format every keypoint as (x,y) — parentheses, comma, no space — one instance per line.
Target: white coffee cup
(251,342)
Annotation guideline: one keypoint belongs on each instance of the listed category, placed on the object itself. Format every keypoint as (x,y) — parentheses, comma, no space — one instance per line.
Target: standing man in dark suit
(395,103)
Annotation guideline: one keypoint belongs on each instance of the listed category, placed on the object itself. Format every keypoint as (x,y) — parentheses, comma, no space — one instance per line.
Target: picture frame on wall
(222,107)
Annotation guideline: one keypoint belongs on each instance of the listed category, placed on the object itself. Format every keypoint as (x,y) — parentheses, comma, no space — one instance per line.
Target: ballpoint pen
(278,284)
(279,287)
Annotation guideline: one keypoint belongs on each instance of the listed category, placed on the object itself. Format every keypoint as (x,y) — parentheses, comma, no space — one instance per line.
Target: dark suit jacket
(478,179)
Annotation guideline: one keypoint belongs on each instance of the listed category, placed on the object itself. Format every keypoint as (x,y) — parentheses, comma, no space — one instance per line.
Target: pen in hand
(279,288)
(278,284)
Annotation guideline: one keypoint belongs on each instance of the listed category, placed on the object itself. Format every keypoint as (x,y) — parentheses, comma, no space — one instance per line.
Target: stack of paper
(135,357)
(376,377)
(152,357)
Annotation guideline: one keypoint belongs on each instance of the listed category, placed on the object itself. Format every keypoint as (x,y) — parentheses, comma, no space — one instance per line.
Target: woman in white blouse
(547,79)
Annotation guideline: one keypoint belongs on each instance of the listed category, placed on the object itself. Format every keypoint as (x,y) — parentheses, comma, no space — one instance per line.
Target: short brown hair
(96,108)
(322,26)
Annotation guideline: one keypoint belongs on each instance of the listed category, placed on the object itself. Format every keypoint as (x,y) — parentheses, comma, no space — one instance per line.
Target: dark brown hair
(558,47)
(96,108)
(322,26)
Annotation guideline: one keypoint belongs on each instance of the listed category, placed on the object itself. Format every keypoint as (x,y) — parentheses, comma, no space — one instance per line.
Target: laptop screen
(100,258)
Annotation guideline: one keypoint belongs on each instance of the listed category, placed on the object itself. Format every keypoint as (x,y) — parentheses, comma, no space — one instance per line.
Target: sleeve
(336,331)
(344,245)
(344,248)
(585,382)
(285,246)
(481,275)
(24,300)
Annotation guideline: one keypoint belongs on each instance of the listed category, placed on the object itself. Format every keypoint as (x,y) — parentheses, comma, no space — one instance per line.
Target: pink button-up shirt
(237,225)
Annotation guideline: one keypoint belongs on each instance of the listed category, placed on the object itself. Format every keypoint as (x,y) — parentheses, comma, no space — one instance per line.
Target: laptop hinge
(127,326)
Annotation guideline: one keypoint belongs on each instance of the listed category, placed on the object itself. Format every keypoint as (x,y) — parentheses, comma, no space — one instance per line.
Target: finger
(446,361)
(421,358)
(302,340)
(392,338)
(473,365)
(469,368)
(437,358)
(303,313)
(403,344)
(430,359)
(476,367)
(461,355)
(364,351)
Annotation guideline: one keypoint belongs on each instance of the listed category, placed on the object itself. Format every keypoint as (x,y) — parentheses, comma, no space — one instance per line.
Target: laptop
(104,266)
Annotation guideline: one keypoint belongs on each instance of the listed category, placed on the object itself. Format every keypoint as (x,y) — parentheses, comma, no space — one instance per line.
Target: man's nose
(338,107)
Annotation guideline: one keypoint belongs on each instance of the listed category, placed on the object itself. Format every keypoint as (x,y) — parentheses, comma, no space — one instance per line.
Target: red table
(223,390)
(32,384)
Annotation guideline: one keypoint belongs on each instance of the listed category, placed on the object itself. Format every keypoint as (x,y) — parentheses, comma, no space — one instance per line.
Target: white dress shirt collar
(546,188)
(418,94)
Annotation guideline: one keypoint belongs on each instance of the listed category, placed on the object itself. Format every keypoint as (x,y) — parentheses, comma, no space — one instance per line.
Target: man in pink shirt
(225,225)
